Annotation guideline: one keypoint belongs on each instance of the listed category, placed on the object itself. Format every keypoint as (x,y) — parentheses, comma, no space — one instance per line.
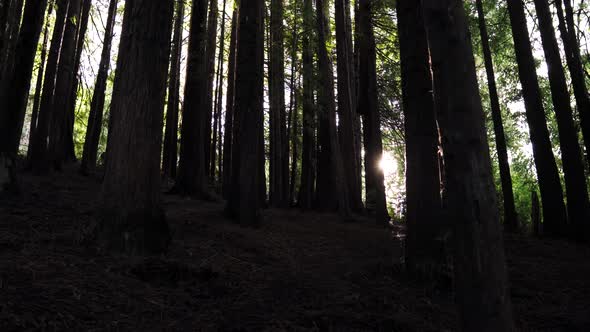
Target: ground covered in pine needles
(298,272)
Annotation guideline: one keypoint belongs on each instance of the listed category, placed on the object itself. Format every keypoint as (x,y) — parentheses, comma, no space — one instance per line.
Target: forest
(294,165)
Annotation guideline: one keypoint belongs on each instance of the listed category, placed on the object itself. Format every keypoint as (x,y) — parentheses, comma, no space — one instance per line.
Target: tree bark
(510,217)
(229,108)
(244,203)
(170,154)
(216,143)
(39,153)
(293,129)
(554,215)
(472,209)
(578,206)
(192,170)
(422,254)
(132,218)
(368,106)
(94,128)
(7,54)
(279,157)
(210,67)
(308,166)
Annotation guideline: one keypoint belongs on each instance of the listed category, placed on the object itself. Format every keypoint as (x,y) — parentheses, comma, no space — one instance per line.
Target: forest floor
(298,272)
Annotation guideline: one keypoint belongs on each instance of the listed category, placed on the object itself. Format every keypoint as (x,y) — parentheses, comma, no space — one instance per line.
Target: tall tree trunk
(39,84)
(217,106)
(279,158)
(133,221)
(4,9)
(192,170)
(308,166)
(293,128)
(578,207)
(244,204)
(69,147)
(15,86)
(210,67)
(170,154)
(567,29)
(333,192)
(346,112)
(229,107)
(39,151)
(368,106)
(422,176)
(7,54)
(64,80)
(472,209)
(554,215)
(510,217)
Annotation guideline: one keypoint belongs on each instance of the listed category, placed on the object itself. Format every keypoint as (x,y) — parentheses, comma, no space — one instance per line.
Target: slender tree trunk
(535,214)
(229,108)
(554,215)
(368,106)
(170,154)
(308,166)
(133,221)
(279,158)
(423,256)
(567,29)
(39,84)
(333,175)
(293,129)
(210,67)
(15,89)
(346,112)
(192,170)
(218,107)
(4,9)
(510,217)
(7,54)
(479,264)
(578,207)
(244,204)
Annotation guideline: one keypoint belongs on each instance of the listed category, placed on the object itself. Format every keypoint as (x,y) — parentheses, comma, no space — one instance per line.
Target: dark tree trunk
(216,143)
(170,154)
(346,112)
(39,84)
(510,217)
(576,69)
(308,166)
(210,74)
(192,170)
(535,214)
(4,9)
(554,215)
(279,155)
(333,191)
(63,88)
(293,129)
(15,86)
(244,203)
(229,108)
(480,272)
(7,54)
(39,153)
(368,106)
(578,208)
(94,128)
(133,221)
(422,176)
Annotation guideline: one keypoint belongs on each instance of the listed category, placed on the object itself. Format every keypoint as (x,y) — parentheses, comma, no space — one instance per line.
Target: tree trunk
(4,9)
(39,153)
(346,112)
(368,106)
(308,166)
(170,154)
(422,254)
(567,29)
(192,170)
(472,209)
(39,84)
(510,217)
(535,214)
(229,108)
(279,157)
(554,215)
(15,87)
(7,54)
(210,74)
(293,129)
(244,204)
(217,106)
(133,221)
(578,207)
(64,80)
